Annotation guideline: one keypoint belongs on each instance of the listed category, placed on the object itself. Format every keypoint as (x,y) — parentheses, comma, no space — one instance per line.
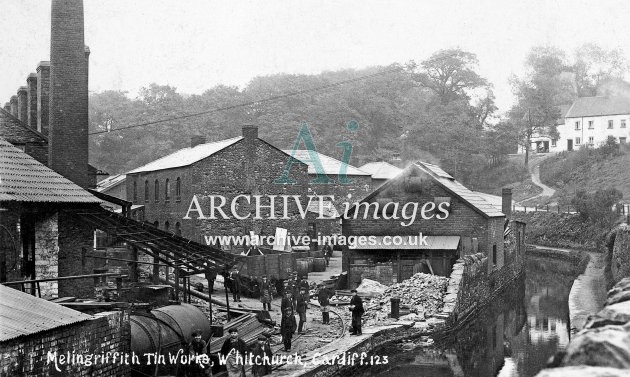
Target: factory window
(167,191)
(178,228)
(157,191)
(146,191)
(590,125)
(135,191)
(577,126)
(554,142)
(578,140)
(611,123)
(167,225)
(178,189)
(156,224)
(494,254)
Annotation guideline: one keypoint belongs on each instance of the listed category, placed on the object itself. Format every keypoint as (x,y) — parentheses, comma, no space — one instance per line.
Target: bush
(597,207)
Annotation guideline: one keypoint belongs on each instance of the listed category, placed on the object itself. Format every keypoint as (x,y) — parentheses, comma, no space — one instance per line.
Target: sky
(194,45)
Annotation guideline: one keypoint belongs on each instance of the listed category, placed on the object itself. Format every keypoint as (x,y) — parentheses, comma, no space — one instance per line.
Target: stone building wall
(47,253)
(76,239)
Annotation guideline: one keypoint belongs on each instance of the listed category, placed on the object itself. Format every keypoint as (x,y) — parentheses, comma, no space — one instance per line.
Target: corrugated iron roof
(24,179)
(381,170)
(15,131)
(22,314)
(597,106)
(186,156)
(476,201)
(330,165)
(432,243)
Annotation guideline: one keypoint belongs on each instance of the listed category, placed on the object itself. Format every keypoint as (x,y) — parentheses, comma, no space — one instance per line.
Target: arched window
(167,191)
(146,191)
(167,225)
(178,189)
(135,191)
(157,191)
(156,224)
(178,229)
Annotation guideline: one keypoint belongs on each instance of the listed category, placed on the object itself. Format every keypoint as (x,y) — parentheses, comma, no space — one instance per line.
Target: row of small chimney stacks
(32,101)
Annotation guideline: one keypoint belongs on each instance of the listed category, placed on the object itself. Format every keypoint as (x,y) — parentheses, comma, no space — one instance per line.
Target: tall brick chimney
(22,96)
(43,97)
(506,202)
(250,131)
(14,106)
(197,140)
(31,101)
(68,134)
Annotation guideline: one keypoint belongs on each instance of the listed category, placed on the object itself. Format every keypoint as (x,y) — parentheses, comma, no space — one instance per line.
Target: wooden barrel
(315,254)
(319,264)
(302,267)
(310,263)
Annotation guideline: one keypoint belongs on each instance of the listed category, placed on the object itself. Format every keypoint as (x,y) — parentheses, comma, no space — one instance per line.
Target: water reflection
(514,337)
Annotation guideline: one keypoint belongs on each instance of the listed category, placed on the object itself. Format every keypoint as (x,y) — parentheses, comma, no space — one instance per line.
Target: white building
(588,122)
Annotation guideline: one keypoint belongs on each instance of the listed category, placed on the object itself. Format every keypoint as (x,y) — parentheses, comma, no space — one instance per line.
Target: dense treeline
(439,110)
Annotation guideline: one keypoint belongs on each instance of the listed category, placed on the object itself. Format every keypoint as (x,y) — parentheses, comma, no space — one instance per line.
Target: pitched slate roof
(473,199)
(22,314)
(16,132)
(24,179)
(110,182)
(381,170)
(597,106)
(330,165)
(186,156)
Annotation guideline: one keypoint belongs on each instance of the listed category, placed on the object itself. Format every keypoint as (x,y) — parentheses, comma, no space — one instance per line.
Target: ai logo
(305,136)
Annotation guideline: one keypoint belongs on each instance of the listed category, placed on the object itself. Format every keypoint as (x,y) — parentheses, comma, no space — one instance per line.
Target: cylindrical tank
(167,328)
(319,264)
(302,267)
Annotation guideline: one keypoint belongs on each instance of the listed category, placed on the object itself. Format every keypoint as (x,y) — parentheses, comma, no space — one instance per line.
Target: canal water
(512,337)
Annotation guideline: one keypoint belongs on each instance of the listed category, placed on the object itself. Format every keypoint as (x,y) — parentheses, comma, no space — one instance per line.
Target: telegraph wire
(264,100)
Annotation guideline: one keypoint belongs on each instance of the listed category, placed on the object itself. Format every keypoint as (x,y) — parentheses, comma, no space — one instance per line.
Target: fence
(622,209)
(545,208)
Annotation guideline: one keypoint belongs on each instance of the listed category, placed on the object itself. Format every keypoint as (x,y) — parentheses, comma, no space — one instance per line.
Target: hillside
(588,169)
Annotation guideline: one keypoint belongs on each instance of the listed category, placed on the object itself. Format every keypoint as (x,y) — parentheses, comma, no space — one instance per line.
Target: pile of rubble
(422,294)
(371,287)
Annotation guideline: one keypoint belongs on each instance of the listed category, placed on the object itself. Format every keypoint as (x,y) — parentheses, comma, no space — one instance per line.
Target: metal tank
(166,330)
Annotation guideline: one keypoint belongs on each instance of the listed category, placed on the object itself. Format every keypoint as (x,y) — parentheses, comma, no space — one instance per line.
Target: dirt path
(588,293)
(534,172)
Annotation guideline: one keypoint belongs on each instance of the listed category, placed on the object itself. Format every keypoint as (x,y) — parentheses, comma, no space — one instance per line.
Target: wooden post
(177,283)
(156,269)
(227,301)
(210,299)
(133,267)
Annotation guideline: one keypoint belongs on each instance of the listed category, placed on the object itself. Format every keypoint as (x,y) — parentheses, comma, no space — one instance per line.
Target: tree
(449,74)
(538,95)
(594,65)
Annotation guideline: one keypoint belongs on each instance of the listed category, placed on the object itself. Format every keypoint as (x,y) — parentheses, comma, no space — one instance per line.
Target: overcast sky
(196,44)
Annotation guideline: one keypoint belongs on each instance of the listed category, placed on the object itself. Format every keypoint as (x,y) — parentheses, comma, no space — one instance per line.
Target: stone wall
(619,250)
(107,332)
(47,253)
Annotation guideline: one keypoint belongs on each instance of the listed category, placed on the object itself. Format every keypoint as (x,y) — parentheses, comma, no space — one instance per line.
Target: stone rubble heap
(422,294)
(371,287)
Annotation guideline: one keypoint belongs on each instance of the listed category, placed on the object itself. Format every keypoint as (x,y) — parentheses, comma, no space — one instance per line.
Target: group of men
(233,348)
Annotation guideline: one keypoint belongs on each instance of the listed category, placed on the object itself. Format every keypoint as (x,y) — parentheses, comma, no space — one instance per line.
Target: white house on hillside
(589,122)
